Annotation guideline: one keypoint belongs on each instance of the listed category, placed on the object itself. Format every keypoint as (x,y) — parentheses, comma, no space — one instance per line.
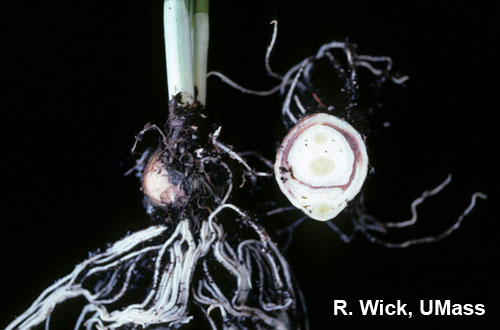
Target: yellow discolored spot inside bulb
(319,138)
(321,166)
(322,211)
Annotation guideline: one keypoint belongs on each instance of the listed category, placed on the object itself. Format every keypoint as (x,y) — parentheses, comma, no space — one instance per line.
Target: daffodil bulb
(321,165)
(163,186)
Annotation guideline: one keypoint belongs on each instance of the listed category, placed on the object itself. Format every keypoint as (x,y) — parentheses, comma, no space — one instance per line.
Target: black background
(83,78)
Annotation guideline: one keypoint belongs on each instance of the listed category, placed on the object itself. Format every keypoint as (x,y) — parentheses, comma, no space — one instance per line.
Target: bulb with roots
(321,165)
(206,261)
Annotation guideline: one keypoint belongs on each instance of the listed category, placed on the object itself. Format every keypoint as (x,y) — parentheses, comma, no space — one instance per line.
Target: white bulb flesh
(321,165)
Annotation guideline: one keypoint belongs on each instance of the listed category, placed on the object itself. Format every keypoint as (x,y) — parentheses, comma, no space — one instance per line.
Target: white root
(367,224)
(269,49)
(266,161)
(301,73)
(238,157)
(416,202)
(381,226)
(286,104)
(173,283)
(68,287)
(242,89)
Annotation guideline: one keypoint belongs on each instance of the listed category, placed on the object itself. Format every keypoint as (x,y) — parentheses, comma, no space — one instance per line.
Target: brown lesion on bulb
(164,187)
(283,171)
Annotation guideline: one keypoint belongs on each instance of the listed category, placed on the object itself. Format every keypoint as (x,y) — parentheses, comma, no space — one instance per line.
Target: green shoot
(186,48)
